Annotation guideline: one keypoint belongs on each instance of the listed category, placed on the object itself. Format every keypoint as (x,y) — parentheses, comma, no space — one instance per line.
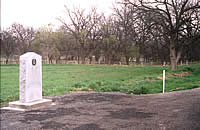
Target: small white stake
(163,81)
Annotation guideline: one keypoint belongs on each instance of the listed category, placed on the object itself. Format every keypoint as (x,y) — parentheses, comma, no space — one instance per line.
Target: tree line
(156,30)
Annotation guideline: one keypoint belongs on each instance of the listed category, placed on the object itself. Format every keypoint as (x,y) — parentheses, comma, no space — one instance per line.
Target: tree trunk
(138,60)
(82,59)
(127,60)
(106,59)
(78,60)
(172,50)
(50,61)
(178,56)
(90,60)
(6,60)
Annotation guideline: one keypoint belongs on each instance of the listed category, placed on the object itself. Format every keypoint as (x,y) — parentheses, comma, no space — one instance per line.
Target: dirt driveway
(99,111)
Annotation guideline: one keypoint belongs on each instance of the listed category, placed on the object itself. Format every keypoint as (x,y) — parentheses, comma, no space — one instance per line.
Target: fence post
(163,81)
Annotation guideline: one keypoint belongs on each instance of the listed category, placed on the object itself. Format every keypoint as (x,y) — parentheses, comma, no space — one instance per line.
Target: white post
(164,64)
(187,62)
(163,81)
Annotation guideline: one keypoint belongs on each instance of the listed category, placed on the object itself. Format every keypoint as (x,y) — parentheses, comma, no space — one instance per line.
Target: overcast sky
(37,13)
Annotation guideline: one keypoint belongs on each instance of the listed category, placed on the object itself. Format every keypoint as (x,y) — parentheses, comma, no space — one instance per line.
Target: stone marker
(30,83)
(30,78)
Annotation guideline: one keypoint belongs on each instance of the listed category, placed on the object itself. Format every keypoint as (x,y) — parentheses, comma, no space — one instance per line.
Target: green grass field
(60,79)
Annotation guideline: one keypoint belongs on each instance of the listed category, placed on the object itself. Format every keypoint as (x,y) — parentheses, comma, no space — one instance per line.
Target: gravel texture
(100,111)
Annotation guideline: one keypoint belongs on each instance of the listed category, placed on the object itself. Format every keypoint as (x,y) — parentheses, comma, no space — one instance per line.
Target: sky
(38,13)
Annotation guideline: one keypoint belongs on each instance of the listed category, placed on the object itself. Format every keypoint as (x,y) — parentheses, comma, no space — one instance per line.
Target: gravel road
(105,111)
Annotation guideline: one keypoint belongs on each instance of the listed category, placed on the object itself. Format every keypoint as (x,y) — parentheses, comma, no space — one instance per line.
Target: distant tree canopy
(156,30)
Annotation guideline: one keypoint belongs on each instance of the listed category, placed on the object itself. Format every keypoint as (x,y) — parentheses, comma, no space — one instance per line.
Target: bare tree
(109,43)
(8,44)
(172,16)
(125,22)
(46,42)
(82,26)
(24,36)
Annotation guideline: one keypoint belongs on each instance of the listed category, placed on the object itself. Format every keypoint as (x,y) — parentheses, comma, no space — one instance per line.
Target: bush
(138,90)
(79,85)
(188,68)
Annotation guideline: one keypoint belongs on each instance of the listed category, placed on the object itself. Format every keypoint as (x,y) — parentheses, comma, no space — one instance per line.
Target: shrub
(138,90)
(79,85)
(188,68)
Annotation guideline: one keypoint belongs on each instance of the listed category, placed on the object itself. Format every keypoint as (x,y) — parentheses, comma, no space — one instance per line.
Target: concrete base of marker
(16,105)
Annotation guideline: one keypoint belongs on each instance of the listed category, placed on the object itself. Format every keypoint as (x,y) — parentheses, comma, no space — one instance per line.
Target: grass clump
(138,90)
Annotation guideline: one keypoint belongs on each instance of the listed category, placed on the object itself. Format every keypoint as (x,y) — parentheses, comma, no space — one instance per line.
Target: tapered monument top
(29,55)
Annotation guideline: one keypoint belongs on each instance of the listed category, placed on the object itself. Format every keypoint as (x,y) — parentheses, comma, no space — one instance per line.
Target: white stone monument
(30,83)
(30,77)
